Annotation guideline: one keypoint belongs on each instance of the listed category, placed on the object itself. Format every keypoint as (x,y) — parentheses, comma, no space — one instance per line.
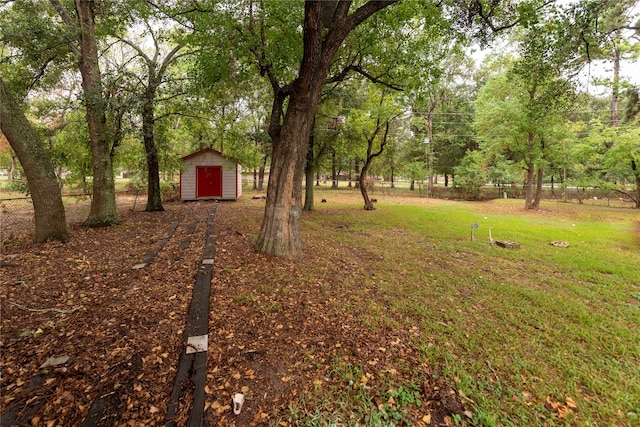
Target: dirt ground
(278,329)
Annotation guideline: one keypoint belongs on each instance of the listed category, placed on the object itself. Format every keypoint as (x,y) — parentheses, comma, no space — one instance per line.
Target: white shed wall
(229,175)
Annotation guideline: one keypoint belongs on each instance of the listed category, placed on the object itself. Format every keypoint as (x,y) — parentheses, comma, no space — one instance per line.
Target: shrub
(471,176)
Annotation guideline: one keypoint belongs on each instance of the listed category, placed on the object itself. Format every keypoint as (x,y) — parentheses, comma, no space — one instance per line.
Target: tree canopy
(264,81)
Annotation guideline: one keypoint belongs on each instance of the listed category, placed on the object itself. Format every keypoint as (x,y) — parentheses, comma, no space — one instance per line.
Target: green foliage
(604,158)
(471,175)
(18,185)
(70,152)
(33,53)
(503,171)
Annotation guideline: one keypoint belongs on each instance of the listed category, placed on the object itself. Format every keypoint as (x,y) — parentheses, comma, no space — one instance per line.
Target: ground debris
(507,244)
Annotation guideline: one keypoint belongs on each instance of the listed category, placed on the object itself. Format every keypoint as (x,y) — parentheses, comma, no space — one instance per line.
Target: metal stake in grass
(490,238)
(473,230)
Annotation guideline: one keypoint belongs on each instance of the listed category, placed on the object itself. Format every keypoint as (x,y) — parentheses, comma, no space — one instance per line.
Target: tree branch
(383,142)
(358,69)
(70,23)
(365,11)
(169,58)
(167,98)
(486,17)
(137,49)
(193,116)
(45,310)
(625,193)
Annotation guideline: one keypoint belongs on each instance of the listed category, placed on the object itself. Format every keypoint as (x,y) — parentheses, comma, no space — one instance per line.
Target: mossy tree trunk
(50,219)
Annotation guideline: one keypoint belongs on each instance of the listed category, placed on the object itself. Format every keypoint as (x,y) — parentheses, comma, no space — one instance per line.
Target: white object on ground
(54,361)
(238,401)
(197,343)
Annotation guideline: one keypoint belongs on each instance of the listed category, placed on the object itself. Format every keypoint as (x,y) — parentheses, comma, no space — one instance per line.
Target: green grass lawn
(512,329)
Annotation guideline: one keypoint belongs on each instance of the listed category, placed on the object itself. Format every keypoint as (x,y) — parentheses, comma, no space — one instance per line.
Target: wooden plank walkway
(192,365)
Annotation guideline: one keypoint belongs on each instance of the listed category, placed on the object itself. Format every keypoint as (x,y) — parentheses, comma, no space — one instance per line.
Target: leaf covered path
(285,334)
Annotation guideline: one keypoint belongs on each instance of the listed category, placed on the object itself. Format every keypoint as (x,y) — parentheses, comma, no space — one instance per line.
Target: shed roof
(208,150)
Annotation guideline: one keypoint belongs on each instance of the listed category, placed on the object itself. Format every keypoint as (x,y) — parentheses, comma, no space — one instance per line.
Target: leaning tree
(50,219)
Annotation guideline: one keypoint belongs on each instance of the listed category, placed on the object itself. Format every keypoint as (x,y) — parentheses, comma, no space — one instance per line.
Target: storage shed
(208,174)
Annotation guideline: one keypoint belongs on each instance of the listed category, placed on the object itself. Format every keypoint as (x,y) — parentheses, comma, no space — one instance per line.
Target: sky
(629,70)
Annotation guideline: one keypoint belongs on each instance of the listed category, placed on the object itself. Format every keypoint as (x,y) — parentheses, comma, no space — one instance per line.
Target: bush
(471,176)
(19,186)
(170,191)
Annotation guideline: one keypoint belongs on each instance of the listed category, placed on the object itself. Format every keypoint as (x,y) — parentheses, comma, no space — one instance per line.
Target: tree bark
(154,196)
(261,173)
(103,203)
(392,178)
(308,188)
(50,219)
(538,195)
(368,205)
(334,178)
(280,231)
(528,186)
(528,183)
(156,70)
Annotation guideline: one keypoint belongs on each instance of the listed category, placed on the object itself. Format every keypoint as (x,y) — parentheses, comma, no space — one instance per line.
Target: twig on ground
(46,310)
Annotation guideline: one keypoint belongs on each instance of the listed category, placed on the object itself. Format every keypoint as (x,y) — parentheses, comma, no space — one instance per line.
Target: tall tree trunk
(446,179)
(255,178)
(392,178)
(154,196)
(156,70)
(50,219)
(528,186)
(318,178)
(308,187)
(529,179)
(334,177)
(357,170)
(412,186)
(368,205)
(261,172)
(280,231)
(103,203)
(538,196)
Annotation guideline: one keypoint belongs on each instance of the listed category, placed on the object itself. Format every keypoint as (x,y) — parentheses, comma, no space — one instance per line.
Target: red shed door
(208,181)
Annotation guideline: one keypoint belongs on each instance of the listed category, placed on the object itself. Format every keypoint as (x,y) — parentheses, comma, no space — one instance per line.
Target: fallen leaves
(561,410)
(122,317)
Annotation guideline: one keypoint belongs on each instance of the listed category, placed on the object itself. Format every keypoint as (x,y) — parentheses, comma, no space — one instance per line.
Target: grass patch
(518,332)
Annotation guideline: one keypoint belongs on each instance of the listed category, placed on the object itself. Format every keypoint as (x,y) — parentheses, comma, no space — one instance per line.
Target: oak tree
(50,219)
